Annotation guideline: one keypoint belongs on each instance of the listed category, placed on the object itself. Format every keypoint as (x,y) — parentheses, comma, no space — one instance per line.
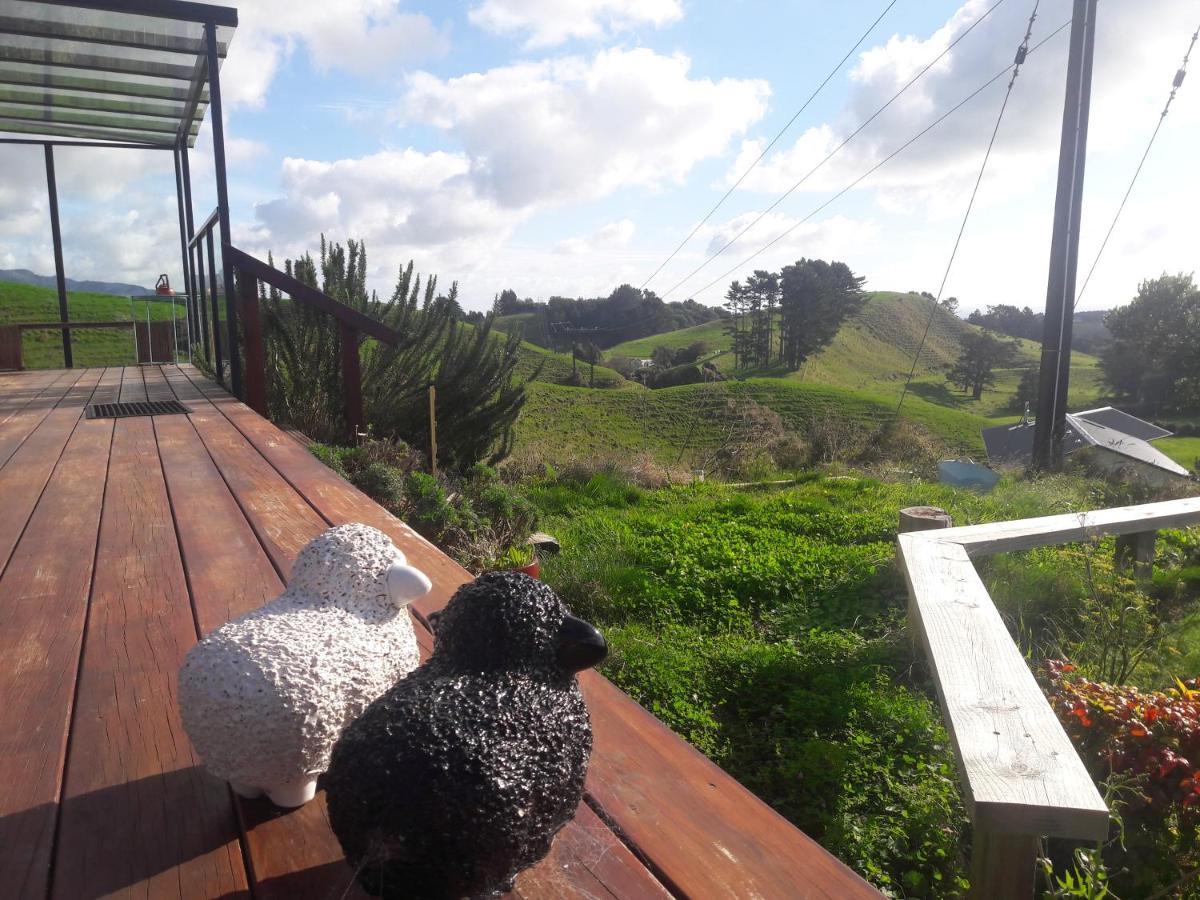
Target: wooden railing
(1021,776)
(352,325)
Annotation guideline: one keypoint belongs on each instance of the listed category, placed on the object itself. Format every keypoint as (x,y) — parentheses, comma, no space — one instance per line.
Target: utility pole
(1054,377)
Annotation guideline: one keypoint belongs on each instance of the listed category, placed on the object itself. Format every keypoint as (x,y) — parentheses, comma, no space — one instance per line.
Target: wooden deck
(122,540)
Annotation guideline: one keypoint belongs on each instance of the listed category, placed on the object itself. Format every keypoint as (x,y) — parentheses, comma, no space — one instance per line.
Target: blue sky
(567,146)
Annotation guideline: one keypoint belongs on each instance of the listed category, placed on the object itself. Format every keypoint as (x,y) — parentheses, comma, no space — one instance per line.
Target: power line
(1176,83)
(896,96)
(774,140)
(1022,53)
(879,165)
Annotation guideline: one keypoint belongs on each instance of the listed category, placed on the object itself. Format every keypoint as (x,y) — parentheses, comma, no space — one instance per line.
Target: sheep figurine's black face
(459,777)
(509,621)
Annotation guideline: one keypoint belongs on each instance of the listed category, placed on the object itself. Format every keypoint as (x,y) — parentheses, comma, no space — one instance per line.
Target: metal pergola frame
(127,109)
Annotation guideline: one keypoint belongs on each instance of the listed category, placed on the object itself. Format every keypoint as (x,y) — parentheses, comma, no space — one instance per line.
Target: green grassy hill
(562,423)
(532,327)
(98,347)
(860,376)
(712,333)
(555,368)
(874,352)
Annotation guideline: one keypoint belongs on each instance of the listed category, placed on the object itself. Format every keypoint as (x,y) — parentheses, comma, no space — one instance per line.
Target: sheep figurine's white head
(358,568)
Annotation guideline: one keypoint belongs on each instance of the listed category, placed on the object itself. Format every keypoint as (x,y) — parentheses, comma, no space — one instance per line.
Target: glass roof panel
(129,70)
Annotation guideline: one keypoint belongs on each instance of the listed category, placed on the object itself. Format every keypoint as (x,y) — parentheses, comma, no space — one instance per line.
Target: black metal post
(195,286)
(201,299)
(218,366)
(1054,377)
(218,138)
(59,275)
(185,260)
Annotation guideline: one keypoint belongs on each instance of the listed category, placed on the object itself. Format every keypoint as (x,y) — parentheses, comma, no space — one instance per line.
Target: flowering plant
(1154,735)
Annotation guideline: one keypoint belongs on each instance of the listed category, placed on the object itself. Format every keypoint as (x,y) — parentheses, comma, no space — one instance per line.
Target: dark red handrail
(351,323)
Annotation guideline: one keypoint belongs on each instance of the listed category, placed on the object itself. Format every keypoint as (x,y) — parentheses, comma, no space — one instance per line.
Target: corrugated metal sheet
(1124,422)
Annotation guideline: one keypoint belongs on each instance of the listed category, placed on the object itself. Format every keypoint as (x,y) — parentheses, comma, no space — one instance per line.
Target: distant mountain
(24,276)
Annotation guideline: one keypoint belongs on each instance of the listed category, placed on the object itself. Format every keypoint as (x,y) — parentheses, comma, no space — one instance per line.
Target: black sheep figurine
(460,775)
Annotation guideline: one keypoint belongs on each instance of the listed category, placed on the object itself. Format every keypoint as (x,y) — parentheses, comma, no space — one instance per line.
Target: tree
(1027,390)
(737,302)
(506,303)
(663,357)
(950,305)
(478,396)
(816,297)
(1154,355)
(762,295)
(1020,322)
(982,353)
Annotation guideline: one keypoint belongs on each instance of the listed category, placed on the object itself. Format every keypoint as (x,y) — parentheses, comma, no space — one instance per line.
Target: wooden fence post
(351,382)
(1137,550)
(433,429)
(255,381)
(1003,866)
(923,518)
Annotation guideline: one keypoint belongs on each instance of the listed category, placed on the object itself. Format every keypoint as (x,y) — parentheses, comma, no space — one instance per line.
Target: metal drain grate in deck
(139,408)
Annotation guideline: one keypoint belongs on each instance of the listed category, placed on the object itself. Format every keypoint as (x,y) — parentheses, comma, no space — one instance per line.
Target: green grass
(555,368)
(712,333)
(766,627)
(90,347)
(1184,450)
(562,423)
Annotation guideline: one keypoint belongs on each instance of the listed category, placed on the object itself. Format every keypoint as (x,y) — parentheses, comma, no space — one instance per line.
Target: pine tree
(816,297)
(472,367)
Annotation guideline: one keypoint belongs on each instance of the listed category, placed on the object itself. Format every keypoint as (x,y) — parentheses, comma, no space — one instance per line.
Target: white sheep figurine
(265,697)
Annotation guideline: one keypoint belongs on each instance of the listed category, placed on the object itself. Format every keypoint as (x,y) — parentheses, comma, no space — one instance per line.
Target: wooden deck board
(24,478)
(202,518)
(44,589)
(29,416)
(139,814)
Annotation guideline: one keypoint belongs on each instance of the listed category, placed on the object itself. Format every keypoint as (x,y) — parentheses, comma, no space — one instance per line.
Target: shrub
(479,395)
(813,727)
(1149,741)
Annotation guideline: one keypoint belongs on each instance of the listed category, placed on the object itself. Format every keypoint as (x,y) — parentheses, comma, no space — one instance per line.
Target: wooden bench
(1021,776)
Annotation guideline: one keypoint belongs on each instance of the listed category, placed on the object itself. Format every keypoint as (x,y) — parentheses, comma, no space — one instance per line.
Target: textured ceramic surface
(264,697)
(459,777)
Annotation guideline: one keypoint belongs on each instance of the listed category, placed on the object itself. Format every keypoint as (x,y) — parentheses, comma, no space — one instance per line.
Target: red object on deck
(162,287)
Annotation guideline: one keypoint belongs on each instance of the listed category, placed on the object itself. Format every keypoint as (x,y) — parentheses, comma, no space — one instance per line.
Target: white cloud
(550,22)
(575,128)
(365,37)
(613,236)
(533,136)
(239,150)
(404,204)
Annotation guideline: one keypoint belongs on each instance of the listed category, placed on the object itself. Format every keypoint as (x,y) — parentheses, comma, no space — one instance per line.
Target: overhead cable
(879,165)
(1022,54)
(1176,83)
(896,96)
(774,141)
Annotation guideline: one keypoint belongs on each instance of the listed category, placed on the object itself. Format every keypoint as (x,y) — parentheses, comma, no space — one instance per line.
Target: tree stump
(924,518)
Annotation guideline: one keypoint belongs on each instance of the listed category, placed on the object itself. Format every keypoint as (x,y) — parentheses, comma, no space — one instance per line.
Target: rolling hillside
(874,351)
(43,349)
